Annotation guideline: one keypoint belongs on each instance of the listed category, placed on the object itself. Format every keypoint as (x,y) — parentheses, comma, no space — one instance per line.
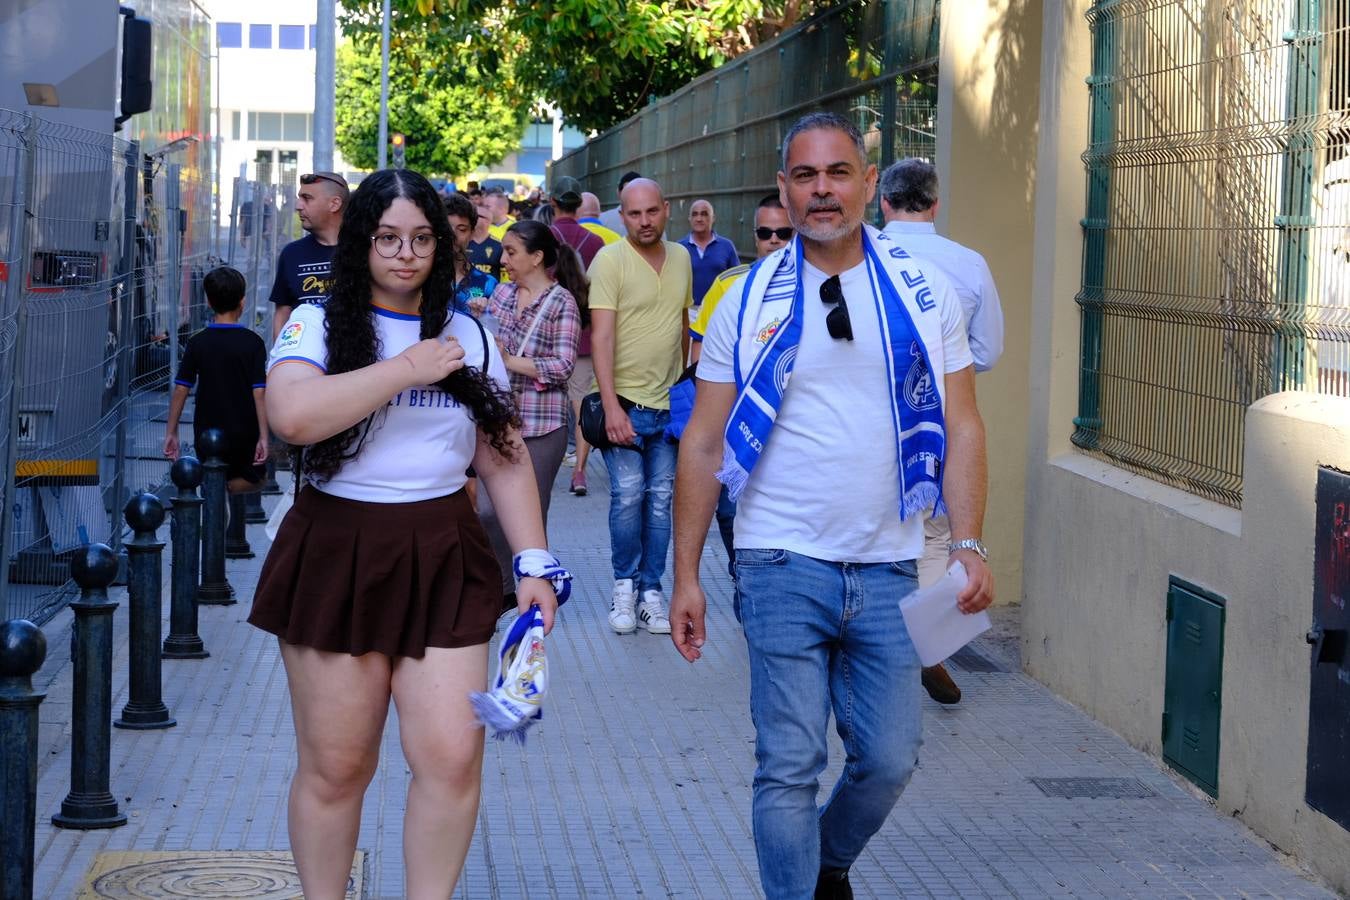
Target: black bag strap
(483,333)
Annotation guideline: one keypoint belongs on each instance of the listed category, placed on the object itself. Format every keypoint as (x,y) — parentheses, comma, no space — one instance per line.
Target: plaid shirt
(553,348)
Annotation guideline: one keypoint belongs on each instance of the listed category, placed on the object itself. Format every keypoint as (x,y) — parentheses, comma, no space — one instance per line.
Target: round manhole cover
(165,876)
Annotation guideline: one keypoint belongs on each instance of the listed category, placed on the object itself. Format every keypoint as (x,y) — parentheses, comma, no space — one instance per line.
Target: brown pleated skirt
(348,576)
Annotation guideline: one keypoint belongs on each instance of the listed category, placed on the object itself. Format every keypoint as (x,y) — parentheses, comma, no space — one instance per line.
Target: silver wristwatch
(970,544)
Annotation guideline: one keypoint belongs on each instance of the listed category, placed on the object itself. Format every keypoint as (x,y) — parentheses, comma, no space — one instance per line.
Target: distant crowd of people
(817,402)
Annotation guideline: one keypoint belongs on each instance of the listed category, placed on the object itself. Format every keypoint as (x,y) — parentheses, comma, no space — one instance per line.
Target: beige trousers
(933,564)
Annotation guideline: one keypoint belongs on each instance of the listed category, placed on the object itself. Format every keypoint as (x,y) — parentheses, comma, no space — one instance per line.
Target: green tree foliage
(598,60)
(452,123)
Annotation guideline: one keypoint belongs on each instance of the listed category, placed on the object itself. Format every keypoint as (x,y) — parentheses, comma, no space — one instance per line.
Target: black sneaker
(833,885)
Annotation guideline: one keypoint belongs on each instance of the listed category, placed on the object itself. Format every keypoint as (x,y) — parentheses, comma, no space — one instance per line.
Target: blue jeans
(825,636)
(641,481)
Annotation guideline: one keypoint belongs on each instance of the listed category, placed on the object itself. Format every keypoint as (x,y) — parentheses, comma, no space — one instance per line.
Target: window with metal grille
(1216,251)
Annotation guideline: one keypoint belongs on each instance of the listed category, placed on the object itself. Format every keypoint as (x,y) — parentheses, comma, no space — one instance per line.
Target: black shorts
(239,455)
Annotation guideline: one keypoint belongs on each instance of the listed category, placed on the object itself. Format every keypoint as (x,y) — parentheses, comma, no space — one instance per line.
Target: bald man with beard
(641,290)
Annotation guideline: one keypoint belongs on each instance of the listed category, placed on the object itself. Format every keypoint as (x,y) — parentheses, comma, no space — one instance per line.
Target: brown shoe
(940,686)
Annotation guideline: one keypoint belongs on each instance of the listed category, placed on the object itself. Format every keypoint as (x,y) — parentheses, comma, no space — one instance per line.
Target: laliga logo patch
(290,335)
(768,331)
(920,391)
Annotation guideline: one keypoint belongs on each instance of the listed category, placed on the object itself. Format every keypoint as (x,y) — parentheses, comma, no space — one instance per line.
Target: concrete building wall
(1100,542)
(263,80)
(986,147)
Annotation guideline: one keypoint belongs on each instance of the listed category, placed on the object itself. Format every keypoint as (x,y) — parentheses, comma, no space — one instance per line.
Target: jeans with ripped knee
(641,481)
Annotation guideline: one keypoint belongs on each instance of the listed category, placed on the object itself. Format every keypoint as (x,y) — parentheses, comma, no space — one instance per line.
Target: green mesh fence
(1216,263)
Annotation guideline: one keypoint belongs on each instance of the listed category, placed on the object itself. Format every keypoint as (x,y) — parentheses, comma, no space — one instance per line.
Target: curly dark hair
(350,323)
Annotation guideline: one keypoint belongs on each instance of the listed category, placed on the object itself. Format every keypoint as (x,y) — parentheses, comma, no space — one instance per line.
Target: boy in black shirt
(230,362)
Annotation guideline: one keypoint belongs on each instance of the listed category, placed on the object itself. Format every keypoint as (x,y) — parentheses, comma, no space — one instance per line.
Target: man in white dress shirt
(909,203)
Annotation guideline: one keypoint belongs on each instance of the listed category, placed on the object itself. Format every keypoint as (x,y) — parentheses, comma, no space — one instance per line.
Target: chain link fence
(719,137)
(1216,266)
(262,220)
(104,248)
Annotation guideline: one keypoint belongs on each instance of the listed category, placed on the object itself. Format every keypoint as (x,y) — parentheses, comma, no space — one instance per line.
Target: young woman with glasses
(382,582)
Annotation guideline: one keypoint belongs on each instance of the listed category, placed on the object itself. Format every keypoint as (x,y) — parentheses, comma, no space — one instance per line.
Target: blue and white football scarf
(769,328)
(516,699)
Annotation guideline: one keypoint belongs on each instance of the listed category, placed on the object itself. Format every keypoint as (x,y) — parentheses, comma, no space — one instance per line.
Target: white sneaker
(570,459)
(621,617)
(652,616)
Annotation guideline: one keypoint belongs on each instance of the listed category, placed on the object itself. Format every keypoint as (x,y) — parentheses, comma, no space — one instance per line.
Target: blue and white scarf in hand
(769,328)
(517,697)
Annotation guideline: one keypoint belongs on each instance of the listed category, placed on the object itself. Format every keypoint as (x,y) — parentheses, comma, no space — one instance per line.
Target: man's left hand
(979,590)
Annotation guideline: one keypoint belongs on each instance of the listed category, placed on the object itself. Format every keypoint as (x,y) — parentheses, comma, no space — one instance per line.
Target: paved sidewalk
(638,782)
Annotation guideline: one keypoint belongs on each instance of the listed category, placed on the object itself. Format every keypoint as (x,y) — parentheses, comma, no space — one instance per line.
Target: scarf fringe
(732,474)
(502,718)
(920,498)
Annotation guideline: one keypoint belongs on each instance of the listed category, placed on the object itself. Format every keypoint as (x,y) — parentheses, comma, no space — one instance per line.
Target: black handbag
(593,420)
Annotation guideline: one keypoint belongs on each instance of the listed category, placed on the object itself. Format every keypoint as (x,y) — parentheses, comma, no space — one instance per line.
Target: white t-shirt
(828,482)
(420,445)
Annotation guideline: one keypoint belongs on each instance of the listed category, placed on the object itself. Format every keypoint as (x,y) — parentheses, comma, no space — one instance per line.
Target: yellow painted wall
(1100,543)
(987,132)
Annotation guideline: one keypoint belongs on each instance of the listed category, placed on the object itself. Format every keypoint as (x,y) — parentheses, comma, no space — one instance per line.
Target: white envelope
(937,628)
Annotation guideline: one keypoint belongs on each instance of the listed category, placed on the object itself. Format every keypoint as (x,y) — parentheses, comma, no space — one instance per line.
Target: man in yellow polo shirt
(588,214)
(500,206)
(772,230)
(641,288)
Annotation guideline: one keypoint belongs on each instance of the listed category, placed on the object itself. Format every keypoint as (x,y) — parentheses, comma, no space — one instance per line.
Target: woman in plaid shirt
(539,313)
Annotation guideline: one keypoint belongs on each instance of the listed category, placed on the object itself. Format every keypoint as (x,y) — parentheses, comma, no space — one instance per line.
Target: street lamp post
(384,90)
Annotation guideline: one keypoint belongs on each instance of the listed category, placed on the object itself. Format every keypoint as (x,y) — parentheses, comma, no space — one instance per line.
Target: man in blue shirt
(909,203)
(710,253)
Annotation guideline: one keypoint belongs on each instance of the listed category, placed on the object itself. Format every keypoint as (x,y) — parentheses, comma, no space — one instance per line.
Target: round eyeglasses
(389,245)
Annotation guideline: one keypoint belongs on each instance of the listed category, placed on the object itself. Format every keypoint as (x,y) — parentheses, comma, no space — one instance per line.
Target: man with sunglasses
(772,230)
(304,266)
(909,204)
(836,402)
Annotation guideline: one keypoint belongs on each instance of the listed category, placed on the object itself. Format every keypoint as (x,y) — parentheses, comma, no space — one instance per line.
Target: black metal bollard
(183,641)
(236,535)
(145,707)
(90,804)
(270,488)
(22,651)
(254,514)
(214,589)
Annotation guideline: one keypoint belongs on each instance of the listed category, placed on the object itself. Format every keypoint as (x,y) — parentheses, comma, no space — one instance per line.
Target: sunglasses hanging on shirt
(837,322)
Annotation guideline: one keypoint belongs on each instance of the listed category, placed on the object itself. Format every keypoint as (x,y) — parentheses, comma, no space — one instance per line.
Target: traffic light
(398,141)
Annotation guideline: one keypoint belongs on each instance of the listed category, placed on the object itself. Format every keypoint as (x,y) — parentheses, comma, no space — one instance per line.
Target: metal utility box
(1328,785)
(1194,683)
